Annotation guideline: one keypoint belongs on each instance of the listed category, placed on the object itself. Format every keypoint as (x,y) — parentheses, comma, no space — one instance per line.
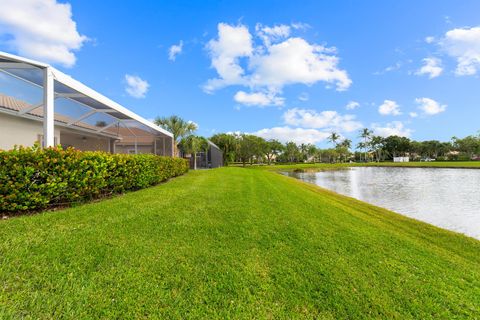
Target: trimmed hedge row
(34,178)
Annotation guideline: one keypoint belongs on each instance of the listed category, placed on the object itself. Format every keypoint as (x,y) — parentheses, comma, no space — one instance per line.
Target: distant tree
(320,155)
(343,148)
(377,144)
(292,152)
(311,151)
(347,143)
(362,146)
(193,144)
(366,135)
(333,138)
(250,148)
(303,148)
(395,145)
(431,148)
(177,126)
(246,147)
(470,145)
(331,154)
(260,147)
(228,144)
(274,147)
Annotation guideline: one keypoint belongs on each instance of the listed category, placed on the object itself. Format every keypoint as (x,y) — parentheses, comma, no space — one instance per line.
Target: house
(40,104)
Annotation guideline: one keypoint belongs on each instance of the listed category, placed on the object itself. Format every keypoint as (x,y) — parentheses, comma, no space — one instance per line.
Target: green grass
(327,166)
(234,243)
(432,164)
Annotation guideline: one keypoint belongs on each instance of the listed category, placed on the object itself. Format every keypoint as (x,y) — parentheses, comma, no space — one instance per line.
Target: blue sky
(279,69)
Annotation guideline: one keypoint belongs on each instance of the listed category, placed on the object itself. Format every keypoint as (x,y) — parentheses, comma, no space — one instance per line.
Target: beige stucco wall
(84,142)
(16,130)
(131,149)
(20,131)
(142,148)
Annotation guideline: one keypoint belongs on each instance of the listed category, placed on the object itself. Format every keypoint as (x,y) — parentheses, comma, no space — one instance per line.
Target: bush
(34,178)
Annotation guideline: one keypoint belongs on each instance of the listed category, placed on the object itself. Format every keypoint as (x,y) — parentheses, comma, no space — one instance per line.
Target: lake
(447,198)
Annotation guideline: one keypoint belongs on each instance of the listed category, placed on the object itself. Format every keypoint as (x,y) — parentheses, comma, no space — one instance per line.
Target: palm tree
(333,138)
(303,150)
(194,144)
(365,133)
(312,151)
(177,126)
(347,143)
(377,145)
(344,147)
(361,146)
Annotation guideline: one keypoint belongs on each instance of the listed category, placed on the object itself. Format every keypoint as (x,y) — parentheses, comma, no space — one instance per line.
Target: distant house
(401,159)
(213,158)
(39,104)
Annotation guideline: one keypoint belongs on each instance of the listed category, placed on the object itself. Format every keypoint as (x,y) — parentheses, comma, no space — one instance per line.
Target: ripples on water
(447,198)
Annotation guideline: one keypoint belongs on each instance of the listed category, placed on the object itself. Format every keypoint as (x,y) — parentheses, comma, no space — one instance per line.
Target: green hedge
(34,178)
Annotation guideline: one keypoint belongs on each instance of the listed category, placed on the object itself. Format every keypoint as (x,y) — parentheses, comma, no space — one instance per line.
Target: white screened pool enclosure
(40,104)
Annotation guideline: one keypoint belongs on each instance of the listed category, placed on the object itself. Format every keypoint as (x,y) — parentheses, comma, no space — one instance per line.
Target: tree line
(247,148)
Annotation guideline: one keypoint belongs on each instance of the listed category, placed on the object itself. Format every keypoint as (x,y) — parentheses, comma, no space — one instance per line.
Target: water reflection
(447,198)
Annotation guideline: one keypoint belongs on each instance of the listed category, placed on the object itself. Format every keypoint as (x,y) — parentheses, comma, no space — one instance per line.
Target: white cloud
(296,61)
(432,67)
(41,29)
(391,68)
(413,114)
(463,44)
(395,128)
(136,87)
(429,106)
(175,50)
(233,43)
(258,99)
(300,26)
(279,60)
(389,107)
(352,105)
(297,135)
(272,34)
(429,39)
(303,96)
(330,120)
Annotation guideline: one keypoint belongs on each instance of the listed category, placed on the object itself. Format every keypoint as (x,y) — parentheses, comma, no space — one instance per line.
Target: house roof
(66,87)
(213,144)
(14,104)
(127,135)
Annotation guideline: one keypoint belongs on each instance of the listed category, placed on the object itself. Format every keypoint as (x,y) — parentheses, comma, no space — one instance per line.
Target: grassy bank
(234,243)
(432,164)
(328,166)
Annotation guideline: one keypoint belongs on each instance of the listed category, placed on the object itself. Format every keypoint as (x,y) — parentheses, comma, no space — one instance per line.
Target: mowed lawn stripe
(234,243)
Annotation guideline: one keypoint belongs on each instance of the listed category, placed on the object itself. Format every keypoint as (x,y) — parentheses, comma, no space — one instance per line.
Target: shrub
(34,178)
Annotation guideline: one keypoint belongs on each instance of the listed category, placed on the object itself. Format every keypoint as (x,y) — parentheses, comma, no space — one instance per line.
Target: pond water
(447,198)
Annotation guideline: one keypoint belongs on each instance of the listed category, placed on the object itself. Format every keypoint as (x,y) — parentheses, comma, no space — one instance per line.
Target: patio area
(40,104)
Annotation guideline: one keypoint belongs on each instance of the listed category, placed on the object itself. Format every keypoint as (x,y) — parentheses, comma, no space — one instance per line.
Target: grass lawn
(432,164)
(234,243)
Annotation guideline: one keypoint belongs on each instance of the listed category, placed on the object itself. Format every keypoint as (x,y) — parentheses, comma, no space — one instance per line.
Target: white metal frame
(50,75)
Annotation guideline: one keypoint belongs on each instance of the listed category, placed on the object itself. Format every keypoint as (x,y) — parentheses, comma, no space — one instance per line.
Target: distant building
(401,159)
(213,158)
